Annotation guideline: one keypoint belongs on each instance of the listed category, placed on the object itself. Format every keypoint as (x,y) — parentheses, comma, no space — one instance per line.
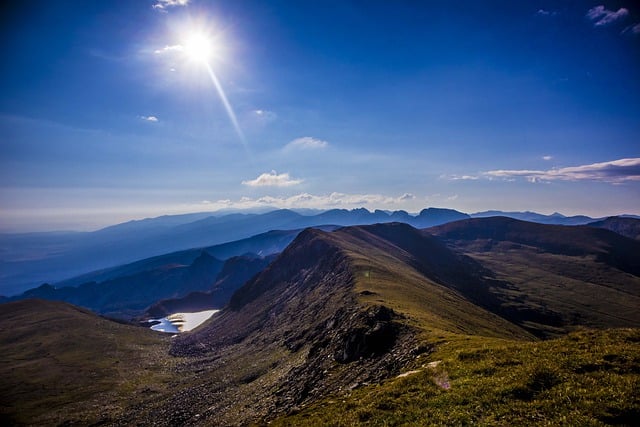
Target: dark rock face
(372,335)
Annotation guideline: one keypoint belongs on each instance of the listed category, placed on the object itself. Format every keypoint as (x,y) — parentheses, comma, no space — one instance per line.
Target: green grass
(586,378)
(62,364)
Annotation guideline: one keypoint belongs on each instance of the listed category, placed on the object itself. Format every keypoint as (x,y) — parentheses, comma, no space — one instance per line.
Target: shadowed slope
(235,272)
(608,247)
(63,364)
(628,227)
(576,275)
(128,296)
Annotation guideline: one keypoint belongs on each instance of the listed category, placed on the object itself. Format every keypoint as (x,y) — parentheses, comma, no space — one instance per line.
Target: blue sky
(471,105)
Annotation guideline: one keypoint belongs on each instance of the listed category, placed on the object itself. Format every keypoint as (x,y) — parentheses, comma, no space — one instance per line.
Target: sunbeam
(227,105)
(200,49)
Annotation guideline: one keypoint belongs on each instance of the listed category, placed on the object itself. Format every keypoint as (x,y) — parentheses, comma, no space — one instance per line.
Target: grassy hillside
(62,364)
(570,276)
(398,266)
(585,378)
(628,227)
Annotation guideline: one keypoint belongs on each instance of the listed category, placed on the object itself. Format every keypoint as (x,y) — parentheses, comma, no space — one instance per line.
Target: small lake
(181,322)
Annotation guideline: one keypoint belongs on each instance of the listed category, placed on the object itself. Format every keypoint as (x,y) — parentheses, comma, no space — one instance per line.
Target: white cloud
(547,158)
(306,143)
(169,49)
(614,172)
(164,4)
(313,201)
(407,196)
(272,179)
(153,119)
(459,177)
(600,16)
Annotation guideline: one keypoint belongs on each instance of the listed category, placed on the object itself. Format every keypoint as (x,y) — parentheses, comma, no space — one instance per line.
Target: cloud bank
(272,179)
(313,201)
(614,172)
(600,16)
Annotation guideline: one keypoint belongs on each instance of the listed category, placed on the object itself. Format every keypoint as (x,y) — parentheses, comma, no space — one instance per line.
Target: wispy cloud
(543,12)
(272,179)
(459,177)
(632,29)
(306,143)
(614,172)
(164,4)
(600,16)
(407,196)
(169,49)
(547,158)
(149,118)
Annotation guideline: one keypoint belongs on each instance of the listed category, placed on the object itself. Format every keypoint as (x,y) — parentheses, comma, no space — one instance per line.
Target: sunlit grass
(586,378)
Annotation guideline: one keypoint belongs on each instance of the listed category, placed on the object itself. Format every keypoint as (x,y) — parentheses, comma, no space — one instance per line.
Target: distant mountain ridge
(206,283)
(25,263)
(29,259)
(555,218)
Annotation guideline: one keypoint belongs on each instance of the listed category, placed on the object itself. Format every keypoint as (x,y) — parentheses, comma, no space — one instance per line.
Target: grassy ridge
(388,272)
(586,378)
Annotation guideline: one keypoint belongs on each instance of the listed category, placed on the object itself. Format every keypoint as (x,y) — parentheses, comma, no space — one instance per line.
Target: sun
(198,47)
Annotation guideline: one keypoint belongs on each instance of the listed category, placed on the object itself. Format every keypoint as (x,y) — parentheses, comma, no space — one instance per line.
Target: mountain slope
(628,227)
(573,275)
(305,326)
(340,310)
(386,318)
(235,272)
(588,378)
(64,365)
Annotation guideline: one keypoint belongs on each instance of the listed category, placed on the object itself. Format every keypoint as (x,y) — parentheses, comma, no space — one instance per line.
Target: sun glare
(198,47)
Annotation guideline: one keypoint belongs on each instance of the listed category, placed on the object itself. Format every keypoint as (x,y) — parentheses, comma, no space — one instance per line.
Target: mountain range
(30,259)
(355,324)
